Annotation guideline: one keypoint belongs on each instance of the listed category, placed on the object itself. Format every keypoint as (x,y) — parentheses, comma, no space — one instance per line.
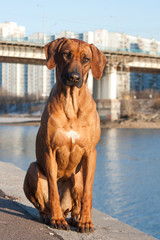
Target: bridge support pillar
(111,81)
(105,94)
(106,87)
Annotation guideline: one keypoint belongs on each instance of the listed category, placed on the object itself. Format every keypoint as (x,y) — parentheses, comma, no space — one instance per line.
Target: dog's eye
(67,55)
(85,59)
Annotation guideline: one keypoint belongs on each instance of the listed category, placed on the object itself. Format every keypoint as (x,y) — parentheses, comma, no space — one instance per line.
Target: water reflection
(113,172)
(17,145)
(127,177)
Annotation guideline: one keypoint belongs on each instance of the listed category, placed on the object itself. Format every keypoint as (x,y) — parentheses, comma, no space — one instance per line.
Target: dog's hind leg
(36,190)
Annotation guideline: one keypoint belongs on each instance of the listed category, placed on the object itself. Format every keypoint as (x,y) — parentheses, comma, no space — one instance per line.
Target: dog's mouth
(72,79)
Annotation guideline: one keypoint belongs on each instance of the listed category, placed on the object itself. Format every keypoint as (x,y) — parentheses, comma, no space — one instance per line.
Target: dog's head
(73,59)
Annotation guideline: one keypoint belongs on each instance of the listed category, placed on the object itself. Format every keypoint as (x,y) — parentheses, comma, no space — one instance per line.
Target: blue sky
(136,17)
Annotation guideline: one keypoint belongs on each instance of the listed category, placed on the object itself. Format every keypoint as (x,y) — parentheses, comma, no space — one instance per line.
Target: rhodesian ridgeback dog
(61,179)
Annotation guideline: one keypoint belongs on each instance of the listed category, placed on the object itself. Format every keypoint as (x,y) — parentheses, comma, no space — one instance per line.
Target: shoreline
(20,120)
(35,121)
(131,124)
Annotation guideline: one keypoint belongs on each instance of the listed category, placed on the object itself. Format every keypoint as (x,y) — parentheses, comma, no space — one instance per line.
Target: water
(127,178)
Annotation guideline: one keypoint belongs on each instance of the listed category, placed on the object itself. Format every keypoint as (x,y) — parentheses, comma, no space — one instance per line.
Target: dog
(61,179)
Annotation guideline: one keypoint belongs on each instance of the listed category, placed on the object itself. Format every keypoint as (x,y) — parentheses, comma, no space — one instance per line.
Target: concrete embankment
(106,227)
(19,119)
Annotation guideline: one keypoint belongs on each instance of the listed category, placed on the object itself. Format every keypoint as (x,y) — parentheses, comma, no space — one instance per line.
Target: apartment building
(22,79)
(11,30)
(106,40)
(12,75)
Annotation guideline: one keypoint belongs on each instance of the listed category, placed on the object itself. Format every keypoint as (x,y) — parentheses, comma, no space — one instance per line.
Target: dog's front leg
(57,219)
(89,164)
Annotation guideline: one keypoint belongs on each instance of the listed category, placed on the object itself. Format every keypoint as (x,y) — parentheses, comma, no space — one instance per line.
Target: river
(127,178)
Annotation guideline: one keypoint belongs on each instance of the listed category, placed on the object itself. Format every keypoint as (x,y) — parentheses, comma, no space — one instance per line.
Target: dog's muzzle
(72,79)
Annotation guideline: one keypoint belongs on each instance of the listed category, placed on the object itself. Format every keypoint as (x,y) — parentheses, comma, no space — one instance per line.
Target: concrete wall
(108,109)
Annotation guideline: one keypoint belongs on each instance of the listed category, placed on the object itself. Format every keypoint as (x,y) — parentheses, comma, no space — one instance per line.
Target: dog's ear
(98,62)
(51,50)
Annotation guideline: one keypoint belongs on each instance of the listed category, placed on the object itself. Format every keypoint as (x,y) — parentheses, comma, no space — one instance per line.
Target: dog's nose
(74,77)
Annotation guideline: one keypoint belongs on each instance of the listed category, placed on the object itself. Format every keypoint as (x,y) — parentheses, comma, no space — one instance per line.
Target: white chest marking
(73,135)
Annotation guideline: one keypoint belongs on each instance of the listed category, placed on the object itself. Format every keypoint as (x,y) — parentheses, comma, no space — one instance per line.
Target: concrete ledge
(106,227)
(18,119)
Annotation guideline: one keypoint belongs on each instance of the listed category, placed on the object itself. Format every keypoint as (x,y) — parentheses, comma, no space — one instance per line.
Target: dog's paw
(60,224)
(85,225)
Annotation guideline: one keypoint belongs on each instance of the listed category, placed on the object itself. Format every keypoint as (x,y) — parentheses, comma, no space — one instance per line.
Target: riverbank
(139,124)
(105,227)
(20,120)
(122,123)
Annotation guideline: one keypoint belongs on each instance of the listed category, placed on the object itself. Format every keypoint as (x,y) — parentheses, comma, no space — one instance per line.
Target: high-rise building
(13,78)
(12,75)
(11,30)
(21,79)
(40,80)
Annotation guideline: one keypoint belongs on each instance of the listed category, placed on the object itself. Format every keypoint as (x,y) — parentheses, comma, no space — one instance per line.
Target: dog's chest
(68,136)
(72,135)
(69,150)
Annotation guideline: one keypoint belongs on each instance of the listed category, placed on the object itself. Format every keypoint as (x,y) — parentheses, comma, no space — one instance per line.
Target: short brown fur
(61,179)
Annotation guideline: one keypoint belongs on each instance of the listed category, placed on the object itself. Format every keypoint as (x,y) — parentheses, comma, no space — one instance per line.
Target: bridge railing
(102,48)
(129,50)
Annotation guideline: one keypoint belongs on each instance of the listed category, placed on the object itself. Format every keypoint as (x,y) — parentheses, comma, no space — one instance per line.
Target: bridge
(29,52)
(22,52)
(134,62)
(119,65)
(118,61)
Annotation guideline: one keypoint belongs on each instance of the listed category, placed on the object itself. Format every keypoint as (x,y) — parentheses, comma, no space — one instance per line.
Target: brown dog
(61,179)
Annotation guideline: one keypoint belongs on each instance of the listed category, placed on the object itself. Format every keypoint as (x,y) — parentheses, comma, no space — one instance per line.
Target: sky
(136,17)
